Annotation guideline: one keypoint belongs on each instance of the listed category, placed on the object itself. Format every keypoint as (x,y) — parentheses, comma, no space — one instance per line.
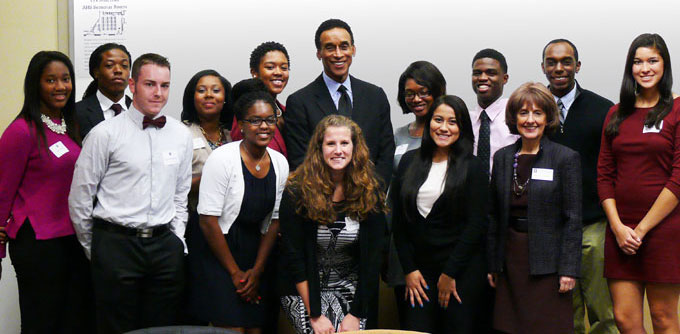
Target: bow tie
(158,122)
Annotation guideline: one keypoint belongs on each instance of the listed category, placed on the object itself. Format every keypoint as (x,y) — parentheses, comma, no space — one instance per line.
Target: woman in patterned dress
(332,226)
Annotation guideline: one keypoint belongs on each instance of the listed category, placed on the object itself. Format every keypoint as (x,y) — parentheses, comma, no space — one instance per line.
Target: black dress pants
(138,282)
(55,290)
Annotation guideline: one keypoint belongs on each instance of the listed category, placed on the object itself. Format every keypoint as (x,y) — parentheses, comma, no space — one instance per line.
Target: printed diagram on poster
(96,22)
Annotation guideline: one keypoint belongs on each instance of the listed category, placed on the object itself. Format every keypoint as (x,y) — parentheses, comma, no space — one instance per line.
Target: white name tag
(58,149)
(401,149)
(543,174)
(652,129)
(170,158)
(199,143)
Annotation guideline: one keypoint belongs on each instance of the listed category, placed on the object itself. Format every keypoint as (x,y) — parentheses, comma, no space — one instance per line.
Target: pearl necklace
(517,188)
(59,129)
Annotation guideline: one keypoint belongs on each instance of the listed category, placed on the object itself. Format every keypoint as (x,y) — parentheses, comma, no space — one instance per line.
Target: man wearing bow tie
(128,204)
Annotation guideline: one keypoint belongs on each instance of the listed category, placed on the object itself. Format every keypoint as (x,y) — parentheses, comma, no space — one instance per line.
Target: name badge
(199,143)
(58,149)
(401,149)
(170,158)
(543,174)
(653,128)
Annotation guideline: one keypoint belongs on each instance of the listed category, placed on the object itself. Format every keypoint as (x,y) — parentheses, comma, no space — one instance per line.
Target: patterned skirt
(334,305)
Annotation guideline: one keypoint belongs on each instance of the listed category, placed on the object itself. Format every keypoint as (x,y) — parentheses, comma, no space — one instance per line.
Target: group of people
(519,215)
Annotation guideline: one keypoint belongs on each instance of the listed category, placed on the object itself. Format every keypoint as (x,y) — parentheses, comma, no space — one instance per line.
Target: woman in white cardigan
(239,199)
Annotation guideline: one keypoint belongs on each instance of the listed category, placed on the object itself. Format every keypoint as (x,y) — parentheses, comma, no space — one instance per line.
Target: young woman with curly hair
(332,225)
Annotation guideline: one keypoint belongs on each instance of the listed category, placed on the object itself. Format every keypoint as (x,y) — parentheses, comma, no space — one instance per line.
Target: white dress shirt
(139,178)
(333,86)
(567,101)
(105,103)
(223,186)
(500,135)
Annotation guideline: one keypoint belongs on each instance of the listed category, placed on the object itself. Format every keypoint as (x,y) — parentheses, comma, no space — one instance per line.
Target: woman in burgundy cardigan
(638,180)
(38,152)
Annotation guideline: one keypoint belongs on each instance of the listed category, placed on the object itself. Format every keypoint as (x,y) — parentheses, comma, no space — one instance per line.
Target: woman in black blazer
(440,195)
(332,230)
(534,240)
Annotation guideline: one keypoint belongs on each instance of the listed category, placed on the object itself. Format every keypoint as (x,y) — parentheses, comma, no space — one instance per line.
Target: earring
(636,86)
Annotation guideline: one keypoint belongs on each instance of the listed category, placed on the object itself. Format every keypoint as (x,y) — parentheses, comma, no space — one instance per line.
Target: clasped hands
(247,284)
(322,325)
(416,286)
(566,283)
(628,239)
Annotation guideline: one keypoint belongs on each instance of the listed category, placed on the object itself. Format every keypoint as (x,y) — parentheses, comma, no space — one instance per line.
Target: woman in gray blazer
(534,240)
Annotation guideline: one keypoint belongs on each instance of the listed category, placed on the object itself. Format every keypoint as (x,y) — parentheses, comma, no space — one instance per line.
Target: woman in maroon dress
(639,185)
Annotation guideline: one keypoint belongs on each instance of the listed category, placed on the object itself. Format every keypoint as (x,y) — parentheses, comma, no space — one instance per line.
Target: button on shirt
(139,177)
(105,103)
(500,135)
(333,86)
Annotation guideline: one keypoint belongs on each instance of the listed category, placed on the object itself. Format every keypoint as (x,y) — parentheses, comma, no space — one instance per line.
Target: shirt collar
(137,117)
(568,98)
(333,85)
(105,103)
(493,110)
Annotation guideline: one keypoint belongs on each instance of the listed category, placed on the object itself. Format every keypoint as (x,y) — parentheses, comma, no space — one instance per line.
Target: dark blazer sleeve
(292,239)
(385,159)
(371,237)
(475,219)
(402,241)
(493,233)
(570,249)
(296,132)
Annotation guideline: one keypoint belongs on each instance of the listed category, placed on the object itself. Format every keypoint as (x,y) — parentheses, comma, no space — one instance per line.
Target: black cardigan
(450,235)
(553,211)
(298,260)
(582,133)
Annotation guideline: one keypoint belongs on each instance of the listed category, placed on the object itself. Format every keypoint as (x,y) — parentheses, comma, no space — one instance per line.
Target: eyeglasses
(258,121)
(410,95)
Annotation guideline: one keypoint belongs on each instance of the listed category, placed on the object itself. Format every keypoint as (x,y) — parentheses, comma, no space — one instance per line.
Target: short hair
(328,25)
(248,99)
(560,40)
(535,93)
(189,112)
(246,86)
(96,60)
(425,74)
(262,49)
(493,54)
(148,58)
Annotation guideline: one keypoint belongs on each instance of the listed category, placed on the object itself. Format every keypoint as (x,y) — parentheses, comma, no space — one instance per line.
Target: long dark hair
(30,111)
(96,60)
(460,154)
(189,113)
(628,86)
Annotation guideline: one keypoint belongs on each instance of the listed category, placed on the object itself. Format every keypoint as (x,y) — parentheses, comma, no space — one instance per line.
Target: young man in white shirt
(128,203)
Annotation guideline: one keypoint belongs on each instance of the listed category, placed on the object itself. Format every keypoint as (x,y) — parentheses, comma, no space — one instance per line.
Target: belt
(145,233)
(519,224)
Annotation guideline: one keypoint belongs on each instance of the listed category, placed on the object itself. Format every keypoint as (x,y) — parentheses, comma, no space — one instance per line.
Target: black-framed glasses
(257,121)
(410,95)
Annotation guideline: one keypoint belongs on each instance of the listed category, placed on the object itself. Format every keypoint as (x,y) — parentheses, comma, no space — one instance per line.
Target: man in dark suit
(336,92)
(582,115)
(105,97)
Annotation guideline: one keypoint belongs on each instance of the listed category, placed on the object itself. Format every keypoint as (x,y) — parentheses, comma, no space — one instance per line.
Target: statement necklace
(517,188)
(213,145)
(59,129)
(257,166)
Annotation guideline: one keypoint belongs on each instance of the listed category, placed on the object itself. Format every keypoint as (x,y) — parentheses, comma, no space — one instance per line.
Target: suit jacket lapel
(323,97)
(358,100)
(95,113)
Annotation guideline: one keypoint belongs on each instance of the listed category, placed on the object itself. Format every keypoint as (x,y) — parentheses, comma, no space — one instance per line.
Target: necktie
(560,105)
(344,104)
(484,141)
(117,108)
(158,122)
